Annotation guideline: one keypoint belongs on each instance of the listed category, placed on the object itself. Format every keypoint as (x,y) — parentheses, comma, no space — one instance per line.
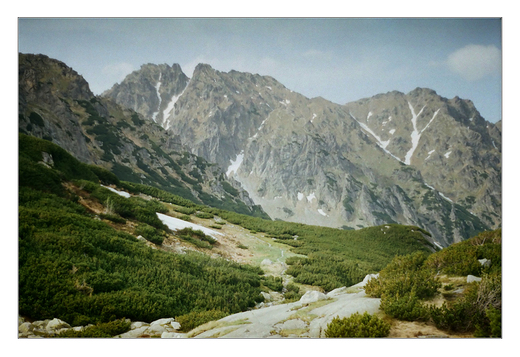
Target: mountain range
(414,158)
(240,141)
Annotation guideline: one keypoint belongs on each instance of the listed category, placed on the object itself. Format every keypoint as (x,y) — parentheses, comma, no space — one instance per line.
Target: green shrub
(272,282)
(149,233)
(462,258)
(196,318)
(403,275)
(113,217)
(185,217)
(358,325)
(292,292)
(479,310)
(406,307)
(204,215)
(196,237)
(106,329)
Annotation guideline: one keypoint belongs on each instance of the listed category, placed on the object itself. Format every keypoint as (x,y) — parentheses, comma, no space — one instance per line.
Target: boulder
(56,324)
(156,329)
(138,324)
(266,262)
(472,278)
(370,277)
(163,321)
(137,332)
(485,262)
(312,296)
(266,296)
(337,291)
(25,328)
(40,324)
(175,325)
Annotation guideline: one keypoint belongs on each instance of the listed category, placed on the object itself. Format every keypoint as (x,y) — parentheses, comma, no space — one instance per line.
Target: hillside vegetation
(86,267)
(409,285)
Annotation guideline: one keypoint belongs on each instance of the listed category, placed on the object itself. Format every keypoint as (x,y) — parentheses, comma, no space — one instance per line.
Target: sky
(339,59)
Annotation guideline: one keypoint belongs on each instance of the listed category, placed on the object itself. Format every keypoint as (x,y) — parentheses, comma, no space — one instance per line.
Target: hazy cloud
(474,62)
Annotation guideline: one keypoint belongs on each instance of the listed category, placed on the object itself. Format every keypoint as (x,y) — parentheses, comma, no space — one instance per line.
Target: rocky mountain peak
(151,91)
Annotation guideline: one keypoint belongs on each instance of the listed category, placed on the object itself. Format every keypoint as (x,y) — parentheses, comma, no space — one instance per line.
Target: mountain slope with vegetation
(56,104)
(82,258)
(458,289)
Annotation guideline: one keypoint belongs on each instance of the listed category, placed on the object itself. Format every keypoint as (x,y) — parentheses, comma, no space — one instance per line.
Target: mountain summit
(415,158)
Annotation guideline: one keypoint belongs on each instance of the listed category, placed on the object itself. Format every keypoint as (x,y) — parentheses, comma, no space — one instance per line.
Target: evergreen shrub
(196,318)
(358,325)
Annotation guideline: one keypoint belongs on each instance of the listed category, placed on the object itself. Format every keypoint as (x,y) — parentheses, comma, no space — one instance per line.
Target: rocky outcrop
(164,328)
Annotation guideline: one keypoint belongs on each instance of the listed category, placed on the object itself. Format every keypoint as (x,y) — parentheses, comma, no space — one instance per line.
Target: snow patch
(438,245)
(447,155)
(320,211)
(493,142)
(169,108)
(235,164)
(300,196)
(311,197)
(369,115)
(440,193)
(416,134)
(380,143)
(120,193)
(391,132)
(429,154)
(177,224)
(157,87)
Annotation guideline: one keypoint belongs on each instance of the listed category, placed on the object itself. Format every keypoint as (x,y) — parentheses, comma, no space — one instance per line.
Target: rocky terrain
(413,158)
(306,318)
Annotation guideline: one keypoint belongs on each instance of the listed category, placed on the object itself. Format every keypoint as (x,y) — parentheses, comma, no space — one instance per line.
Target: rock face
(55,103)
(151,91)
(415,159)
(456,150)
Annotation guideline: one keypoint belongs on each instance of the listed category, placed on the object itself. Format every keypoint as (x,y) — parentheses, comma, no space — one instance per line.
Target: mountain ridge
(265,136)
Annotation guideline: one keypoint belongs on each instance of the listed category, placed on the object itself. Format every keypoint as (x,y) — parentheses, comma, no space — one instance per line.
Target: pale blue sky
(340,59)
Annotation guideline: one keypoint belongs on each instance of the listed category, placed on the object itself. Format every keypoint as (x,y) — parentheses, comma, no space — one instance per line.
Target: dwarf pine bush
(358,325)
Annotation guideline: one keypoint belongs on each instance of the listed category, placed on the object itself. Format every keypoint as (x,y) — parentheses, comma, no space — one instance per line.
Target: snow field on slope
(177,224)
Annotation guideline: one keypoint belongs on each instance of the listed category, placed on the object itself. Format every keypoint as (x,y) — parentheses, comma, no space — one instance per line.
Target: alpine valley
(226,205)
(245,142)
